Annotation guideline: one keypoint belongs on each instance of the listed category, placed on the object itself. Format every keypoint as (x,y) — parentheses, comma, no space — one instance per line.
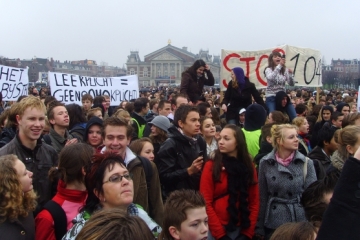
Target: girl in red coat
(229,186)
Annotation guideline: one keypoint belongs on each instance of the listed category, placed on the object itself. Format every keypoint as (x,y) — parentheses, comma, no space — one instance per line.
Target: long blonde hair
(14,202)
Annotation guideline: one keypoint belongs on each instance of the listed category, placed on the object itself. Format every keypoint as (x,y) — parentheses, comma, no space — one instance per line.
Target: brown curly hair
(14,202)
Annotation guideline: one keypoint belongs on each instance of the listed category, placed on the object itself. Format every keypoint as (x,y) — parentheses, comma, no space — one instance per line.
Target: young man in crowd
(301,110)
(181,156)
(336,120)
(153,104)
(147,192)
(323,150)
(176,102)
(28,147)
(59,136)
(87,102)
(141,108)
(164,109)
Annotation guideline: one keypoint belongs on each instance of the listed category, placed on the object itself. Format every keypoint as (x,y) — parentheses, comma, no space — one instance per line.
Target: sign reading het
(69,88)
(14,82)
(305,63)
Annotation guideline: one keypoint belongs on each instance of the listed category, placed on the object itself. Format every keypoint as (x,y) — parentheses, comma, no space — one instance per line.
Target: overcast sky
(107,30)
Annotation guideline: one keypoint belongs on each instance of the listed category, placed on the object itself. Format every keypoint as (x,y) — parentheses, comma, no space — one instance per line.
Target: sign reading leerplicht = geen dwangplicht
(69,88)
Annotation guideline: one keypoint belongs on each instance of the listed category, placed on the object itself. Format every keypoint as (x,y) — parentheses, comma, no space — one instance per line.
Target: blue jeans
(271,104)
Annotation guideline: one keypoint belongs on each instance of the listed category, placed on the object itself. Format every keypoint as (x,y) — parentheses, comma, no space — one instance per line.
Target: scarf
(285,162)
(306,140)
(237,175)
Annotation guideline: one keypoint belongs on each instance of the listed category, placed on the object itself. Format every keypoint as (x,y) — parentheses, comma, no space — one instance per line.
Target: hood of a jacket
(340,106)
(337,161)
(278,99)
(92,121)
(255,117)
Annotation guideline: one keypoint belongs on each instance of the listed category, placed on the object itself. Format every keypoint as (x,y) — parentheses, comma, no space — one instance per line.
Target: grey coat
(280,190)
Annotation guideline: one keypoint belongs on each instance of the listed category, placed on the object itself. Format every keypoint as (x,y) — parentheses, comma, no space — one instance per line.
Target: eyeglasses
(118,178)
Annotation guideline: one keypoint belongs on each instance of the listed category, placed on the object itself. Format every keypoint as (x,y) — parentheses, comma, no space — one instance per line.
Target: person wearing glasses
(110,186)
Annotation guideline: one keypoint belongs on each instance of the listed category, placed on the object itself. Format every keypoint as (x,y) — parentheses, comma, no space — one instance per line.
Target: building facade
(164,66)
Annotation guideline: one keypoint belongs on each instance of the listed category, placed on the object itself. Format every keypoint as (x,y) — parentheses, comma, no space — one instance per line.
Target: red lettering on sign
(247,60)
(259,78)
(227,58)
(225,83)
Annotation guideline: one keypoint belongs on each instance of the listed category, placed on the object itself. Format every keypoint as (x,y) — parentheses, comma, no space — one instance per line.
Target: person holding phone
(194,79)
(277,75)
(180,158)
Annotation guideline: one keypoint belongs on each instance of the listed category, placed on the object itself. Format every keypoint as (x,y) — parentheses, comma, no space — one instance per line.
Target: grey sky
(107,30)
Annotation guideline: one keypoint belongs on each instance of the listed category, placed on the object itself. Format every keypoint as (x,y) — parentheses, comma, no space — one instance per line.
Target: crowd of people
(185,164)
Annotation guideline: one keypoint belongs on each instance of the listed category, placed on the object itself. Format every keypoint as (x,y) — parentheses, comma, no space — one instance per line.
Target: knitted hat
(255,117)
(161,122)
(240,76)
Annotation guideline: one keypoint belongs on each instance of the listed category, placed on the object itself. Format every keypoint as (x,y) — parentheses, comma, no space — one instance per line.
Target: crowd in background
(183,163)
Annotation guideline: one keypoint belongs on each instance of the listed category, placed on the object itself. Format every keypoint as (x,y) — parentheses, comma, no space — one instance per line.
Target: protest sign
(69,88)
(305,63)
(14,82)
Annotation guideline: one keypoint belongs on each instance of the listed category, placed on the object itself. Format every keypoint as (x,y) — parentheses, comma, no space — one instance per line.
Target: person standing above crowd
(180,158)
(239,95)
(59,136)
(18,199)
(27,146)
(74,164)
(230,188)
(194,79)
(283,175)
(277,75)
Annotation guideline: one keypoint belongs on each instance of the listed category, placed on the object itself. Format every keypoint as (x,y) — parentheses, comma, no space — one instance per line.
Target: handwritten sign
(69,88)
(305,63)
(13,82)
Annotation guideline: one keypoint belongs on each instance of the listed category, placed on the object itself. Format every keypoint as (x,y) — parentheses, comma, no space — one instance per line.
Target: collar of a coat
(271,156)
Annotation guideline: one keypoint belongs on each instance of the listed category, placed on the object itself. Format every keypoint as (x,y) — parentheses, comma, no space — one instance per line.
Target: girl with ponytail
(74,163)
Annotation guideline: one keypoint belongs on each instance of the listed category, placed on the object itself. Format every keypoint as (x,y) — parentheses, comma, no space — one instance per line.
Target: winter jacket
(321,161)
(281,189)
(133,210)
(340,220)
(7,134)
(336,166)
(39,161)
(276,81)
(217,197)
(22,228)
(58,142)
(193,86)
(252,141)
(265,149)
(71,202)
(236,100)
(176,154)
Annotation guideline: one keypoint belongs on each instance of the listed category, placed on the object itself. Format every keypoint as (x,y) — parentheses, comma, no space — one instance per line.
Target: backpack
(58,215)
(140,128)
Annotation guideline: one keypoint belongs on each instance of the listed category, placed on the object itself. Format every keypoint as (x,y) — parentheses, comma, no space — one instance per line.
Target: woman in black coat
(194,79)
(340,220)
(239,95)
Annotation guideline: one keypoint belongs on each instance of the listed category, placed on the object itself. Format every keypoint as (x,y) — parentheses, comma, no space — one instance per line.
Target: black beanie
(255,117)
